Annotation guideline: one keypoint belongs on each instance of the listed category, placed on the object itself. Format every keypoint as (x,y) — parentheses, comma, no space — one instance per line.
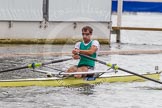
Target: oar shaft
(116,67)
(33,65)
(14,69)
(139,75)
(56,61)
(102,62)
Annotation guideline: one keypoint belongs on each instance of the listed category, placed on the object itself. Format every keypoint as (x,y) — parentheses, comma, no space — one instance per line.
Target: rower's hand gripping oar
(115,67)
(35,65)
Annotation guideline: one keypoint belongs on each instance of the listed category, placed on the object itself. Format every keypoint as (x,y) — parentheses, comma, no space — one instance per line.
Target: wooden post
(119,18)
(118,36)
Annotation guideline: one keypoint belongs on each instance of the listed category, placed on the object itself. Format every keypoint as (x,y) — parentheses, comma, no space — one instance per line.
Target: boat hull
(58,82)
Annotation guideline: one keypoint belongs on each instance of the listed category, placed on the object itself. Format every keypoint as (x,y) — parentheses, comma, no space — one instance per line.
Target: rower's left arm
(92,50)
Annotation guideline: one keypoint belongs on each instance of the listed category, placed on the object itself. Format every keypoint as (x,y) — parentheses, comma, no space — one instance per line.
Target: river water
(113,95)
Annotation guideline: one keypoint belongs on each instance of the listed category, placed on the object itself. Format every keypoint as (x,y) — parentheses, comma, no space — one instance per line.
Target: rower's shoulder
(77,45)
(95,42)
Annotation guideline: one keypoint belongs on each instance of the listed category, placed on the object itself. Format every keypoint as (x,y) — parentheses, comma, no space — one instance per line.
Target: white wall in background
(80,10)
(21,10)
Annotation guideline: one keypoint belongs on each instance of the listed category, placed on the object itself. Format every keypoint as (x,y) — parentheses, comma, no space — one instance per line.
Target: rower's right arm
(74,52)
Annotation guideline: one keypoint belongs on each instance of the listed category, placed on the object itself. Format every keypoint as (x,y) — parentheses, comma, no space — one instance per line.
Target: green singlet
(84,61)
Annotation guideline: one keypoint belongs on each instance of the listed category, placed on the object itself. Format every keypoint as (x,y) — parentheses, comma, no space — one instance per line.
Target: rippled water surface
(113,95)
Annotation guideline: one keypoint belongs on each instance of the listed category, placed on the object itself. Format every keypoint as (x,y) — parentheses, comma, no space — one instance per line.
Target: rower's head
(87,33)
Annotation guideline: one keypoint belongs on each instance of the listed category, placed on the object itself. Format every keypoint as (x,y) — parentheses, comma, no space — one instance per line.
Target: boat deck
(71,81)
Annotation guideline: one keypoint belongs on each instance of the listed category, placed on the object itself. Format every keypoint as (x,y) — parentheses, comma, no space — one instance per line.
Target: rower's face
(86,36)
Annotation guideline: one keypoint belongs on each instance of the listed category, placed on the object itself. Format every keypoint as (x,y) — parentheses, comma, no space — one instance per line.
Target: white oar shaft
(92,72)
(72,73)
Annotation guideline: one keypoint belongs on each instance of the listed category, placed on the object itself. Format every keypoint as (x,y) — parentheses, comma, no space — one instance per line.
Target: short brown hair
(87,28)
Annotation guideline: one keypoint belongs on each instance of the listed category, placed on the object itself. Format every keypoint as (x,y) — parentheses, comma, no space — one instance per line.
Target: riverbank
(47,41)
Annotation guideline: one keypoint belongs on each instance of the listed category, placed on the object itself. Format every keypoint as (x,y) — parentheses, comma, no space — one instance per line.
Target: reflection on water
(86,89)
(149,88)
